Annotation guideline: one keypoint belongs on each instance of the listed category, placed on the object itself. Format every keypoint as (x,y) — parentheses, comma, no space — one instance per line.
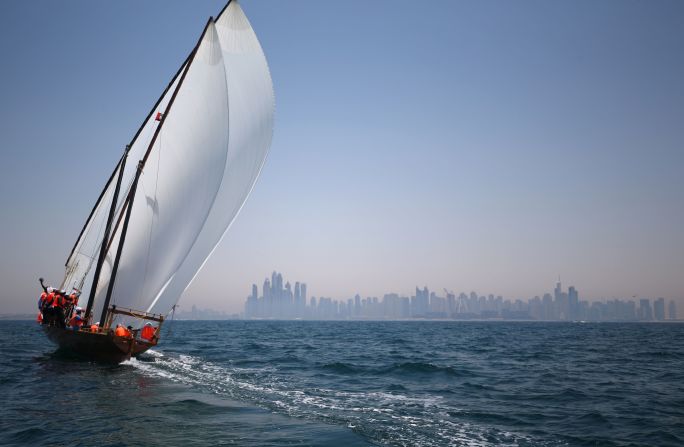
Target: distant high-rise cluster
(281,302)
(277,301)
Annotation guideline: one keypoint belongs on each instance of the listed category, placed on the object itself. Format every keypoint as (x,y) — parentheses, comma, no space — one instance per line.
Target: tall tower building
(573,303)
(279,287)
(267,289)
(645,312)
(659,309)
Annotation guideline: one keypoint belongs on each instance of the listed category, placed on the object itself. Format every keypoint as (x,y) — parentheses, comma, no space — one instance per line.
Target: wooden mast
(105,238)
(141,165)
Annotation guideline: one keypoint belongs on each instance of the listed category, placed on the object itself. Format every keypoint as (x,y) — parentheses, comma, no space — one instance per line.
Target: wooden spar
(223,10)
(141,165)
(112,278)
(191,58)
(105,237)
(137,314)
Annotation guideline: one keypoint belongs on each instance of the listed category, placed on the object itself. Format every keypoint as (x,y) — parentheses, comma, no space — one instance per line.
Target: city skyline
(282,301)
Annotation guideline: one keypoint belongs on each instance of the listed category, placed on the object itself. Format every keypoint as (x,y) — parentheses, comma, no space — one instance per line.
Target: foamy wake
(388,418)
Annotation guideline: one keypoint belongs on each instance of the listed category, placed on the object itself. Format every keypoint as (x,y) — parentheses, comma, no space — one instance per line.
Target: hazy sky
(483,145)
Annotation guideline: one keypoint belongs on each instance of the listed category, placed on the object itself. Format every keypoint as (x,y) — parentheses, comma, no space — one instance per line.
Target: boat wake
(388,418)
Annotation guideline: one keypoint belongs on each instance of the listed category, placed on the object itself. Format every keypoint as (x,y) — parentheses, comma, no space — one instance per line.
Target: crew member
(95,327)
(41,306)
(121,331)
(41,300)
(48,311)
(58,304)
(76,321)
(147,332)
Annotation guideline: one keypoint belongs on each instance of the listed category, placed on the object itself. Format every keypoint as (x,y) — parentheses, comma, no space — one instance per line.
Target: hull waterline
(96,346)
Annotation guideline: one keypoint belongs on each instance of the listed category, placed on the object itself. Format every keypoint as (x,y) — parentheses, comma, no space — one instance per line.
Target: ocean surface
(277,383)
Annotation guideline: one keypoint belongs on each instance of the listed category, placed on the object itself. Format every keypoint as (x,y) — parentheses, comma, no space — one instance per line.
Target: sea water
(411,383)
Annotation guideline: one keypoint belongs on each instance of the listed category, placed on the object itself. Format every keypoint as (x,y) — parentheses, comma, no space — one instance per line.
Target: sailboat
(196,158)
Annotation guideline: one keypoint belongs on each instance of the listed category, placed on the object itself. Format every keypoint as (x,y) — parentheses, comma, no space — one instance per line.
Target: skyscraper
(573,304)
(659,309)
(645,313)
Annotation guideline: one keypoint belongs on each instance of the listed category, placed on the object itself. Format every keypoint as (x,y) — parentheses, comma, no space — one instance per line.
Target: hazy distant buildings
(659,309)
(283,302)
(645,313)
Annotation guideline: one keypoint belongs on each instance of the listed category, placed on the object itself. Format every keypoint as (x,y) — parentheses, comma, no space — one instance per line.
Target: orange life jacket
(74,299)
(147,333)
(76,321)
(49,299)
(93,328)
(43,297)
(39,318)
(58,301)
(121,332)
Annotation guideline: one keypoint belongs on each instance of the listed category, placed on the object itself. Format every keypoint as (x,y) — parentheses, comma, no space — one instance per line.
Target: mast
(112,278)
(108,228)
(134,186)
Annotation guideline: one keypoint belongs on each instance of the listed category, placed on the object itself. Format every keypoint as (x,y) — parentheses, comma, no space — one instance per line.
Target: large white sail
(251,104)
(179,183)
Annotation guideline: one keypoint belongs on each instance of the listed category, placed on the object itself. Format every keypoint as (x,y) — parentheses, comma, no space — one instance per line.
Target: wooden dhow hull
(99,346)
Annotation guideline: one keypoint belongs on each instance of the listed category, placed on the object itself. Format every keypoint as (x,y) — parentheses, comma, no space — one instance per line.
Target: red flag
(159,116)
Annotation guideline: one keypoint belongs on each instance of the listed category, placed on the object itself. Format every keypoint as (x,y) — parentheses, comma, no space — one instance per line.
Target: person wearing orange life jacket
(58,304)
(121,331)
(95,327)
(73,297)
(148,332)
(48,310)
(41,306)
(76,321)
(71,303)
(41,300)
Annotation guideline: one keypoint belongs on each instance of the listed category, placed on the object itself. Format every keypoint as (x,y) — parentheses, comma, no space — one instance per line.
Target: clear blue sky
(483,145)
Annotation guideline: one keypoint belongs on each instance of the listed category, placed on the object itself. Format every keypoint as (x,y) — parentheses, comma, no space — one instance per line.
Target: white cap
(50,289)
(79,309)
(148,324)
